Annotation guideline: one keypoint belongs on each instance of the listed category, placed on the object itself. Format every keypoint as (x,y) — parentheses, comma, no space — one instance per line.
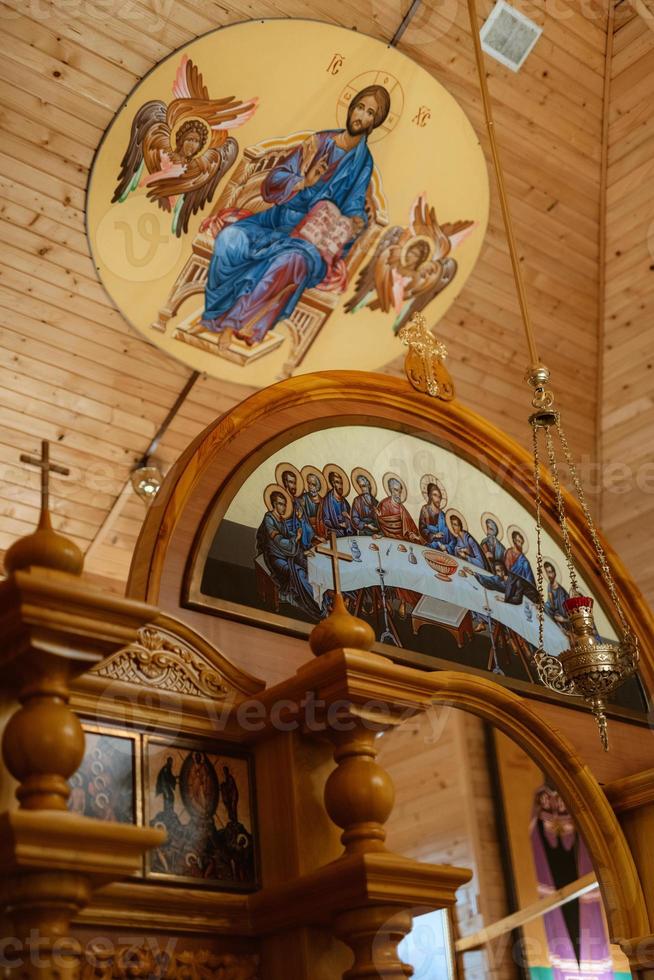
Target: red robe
(396,522)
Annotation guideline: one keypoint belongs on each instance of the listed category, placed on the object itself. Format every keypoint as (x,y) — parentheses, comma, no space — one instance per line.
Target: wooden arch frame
(204,479)
(622,894)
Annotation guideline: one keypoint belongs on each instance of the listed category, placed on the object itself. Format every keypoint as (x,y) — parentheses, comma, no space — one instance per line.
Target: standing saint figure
(262,263)
(396,522)
(229,793)
(165,785)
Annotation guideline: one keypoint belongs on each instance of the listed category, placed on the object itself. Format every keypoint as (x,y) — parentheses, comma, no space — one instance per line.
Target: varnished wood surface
(627,415)
(71,369)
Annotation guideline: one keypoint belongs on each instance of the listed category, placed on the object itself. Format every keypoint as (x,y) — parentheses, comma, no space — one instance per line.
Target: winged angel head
(411,265)
(181,150)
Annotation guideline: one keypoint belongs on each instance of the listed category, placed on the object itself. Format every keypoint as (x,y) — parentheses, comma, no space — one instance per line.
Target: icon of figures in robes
(556,596)
(229,793)
(576,932)
(166,785)
(515,559)
(334,513)
(431,522)
(263,262)
(396,522)
(364,505)
(199,787)
(491,544)
(282,551)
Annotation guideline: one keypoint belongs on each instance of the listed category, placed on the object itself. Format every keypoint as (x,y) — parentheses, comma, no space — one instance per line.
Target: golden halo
(550,561)
(281,468)
(184,122)
(392,86)
(267,493)
(424,483)
(509,537)
(488,515)
(314,471)
(413,241)
(335,468)
(393,476)
(453,512)
(359,471)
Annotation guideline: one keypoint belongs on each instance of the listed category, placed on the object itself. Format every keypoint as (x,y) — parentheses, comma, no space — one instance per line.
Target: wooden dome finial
(45,547)
(341,630)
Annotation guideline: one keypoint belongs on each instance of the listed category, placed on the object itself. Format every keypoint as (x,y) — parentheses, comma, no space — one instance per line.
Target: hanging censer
(591,668)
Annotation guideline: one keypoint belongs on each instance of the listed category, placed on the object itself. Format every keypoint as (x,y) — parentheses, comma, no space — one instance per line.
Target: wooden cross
(46,467)
(335,556)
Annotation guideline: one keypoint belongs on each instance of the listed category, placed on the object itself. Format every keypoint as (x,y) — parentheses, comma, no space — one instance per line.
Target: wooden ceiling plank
(40,203)
(90,68)
(84,29)
(73,101)
(103,358)
(31,108)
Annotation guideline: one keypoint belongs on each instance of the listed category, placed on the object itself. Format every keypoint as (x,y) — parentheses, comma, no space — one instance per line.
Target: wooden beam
(645,10)
(566,894)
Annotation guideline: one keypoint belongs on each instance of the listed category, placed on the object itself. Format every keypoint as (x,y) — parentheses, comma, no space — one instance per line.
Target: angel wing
(185,146)
(422,299)
(423,221)
(376,275)
(196,185)
(191,99)
(149,129)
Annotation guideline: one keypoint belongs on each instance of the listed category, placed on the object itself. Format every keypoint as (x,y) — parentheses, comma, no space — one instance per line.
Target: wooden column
(366,896)
(632,798)
(54,628)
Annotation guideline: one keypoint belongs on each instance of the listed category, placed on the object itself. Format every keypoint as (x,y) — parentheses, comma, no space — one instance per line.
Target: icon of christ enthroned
(299,237)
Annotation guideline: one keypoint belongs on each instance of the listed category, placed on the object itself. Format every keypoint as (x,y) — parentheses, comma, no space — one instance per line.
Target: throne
(315,306)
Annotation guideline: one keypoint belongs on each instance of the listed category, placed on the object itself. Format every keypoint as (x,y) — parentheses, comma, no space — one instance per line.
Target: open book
(326,228)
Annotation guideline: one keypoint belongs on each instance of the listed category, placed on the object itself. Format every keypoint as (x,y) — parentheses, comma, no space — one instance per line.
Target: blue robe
(258,271)
(465,540)
(431,523)
(554,603)
(493,549)
(299,518)
(334,515)
(364,513)
(519,565)
(286,563)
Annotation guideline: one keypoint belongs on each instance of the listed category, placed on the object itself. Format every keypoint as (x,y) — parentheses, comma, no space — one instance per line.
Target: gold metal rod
(501,187)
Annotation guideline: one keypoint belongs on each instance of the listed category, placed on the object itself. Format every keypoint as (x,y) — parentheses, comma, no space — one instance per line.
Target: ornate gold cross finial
(46,467)
(424,360)
(336,556)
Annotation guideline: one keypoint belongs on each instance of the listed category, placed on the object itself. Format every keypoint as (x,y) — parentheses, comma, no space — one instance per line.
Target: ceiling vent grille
(508,36)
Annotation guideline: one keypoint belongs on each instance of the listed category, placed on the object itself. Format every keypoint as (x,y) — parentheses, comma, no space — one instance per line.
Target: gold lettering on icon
(422,116)
(335,64)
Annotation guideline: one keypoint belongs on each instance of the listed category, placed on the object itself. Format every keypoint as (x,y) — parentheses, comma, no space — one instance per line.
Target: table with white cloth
(460,590)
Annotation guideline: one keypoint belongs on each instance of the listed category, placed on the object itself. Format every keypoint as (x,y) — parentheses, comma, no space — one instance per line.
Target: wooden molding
(631,792)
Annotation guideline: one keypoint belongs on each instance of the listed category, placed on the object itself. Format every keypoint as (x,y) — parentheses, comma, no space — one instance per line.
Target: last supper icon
(294,217)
